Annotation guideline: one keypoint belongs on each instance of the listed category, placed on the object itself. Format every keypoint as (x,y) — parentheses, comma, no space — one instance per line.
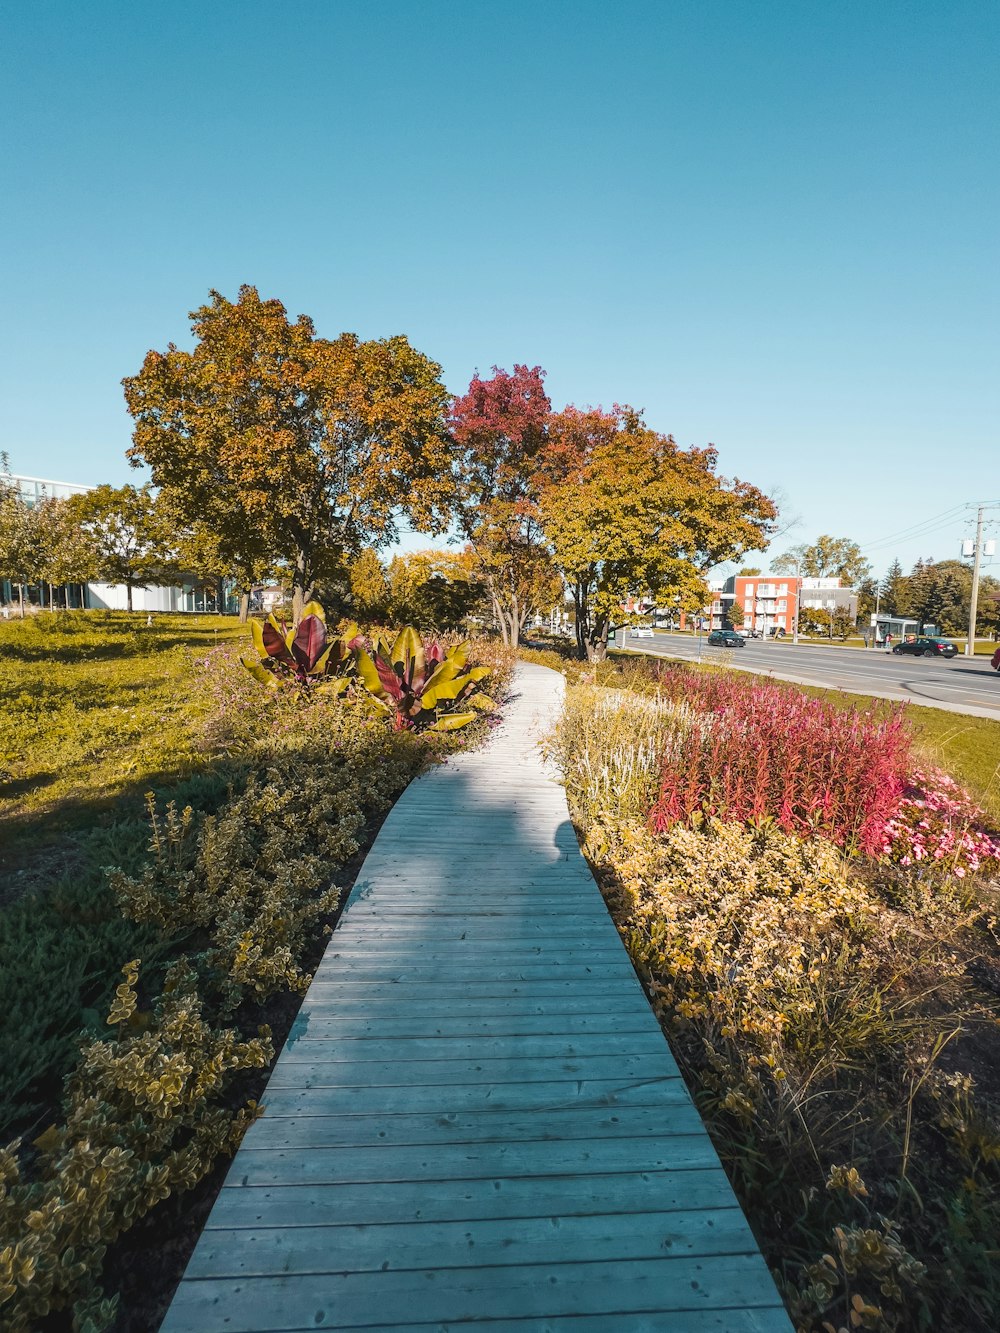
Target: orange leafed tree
(627,512)
(288,446)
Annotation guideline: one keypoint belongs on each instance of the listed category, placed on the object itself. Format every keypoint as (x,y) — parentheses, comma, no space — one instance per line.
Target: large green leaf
(321,661)
(335,685)
(257,634)
(452,721)
(313,609)
(459,655)
(369,675)
(436,684)
(409,648)
(261,674)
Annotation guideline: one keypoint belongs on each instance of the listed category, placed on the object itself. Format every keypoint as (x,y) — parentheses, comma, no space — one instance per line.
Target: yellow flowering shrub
(810,1001)
(736,928)
(254,880)
(140,1124)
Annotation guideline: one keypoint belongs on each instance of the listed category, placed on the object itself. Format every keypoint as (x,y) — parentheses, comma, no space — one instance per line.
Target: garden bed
(223,891)
(815,920)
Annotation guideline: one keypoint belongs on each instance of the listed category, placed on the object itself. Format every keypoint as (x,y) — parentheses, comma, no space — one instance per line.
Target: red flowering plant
(305,655)
(762,752)
(938,824)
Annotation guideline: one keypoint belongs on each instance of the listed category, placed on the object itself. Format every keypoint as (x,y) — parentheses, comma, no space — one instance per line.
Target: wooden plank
(376,1006)
(472,952)
(372,1203)
(273,1251)
(315,1130)
(276,1166)
(429,973)
(584,987)
(494,1070)
(374,1300)
(425,1049)
(450,1098)
(337,1024)
(761,1320)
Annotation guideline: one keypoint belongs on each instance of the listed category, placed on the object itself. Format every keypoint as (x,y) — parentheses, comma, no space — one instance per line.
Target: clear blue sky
(773,225)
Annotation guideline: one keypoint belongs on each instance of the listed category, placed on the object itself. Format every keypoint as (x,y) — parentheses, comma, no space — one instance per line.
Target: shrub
(305,656)
(254,880)
(763,752)
(423,689)
(58,955)
(610,745)
(937,825)
(140,1124)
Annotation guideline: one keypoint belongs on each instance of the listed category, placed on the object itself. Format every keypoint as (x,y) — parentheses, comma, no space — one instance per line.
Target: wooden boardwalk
(476,1122)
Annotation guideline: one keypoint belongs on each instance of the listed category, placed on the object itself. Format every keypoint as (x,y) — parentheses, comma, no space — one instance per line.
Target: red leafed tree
(499,428)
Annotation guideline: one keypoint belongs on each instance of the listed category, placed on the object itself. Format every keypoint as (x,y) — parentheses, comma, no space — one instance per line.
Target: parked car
(726,638)
(995,660)
(924,645)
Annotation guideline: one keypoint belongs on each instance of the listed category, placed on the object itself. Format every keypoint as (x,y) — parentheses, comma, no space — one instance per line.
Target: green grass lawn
(95,708)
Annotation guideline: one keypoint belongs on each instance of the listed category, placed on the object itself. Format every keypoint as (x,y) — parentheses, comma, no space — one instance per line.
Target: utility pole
(970,647)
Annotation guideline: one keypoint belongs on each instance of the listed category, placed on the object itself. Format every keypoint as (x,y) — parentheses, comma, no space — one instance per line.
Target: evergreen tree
(893,591)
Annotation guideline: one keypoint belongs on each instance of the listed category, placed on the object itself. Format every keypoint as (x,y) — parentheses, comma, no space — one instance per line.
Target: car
(641,632)
(926,645)
(995,660)
(726,638)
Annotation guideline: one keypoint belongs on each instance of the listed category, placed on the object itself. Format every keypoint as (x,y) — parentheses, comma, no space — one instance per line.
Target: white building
(189,595)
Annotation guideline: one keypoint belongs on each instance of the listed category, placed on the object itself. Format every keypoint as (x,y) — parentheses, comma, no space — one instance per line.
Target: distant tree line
(934,592)
(275,453)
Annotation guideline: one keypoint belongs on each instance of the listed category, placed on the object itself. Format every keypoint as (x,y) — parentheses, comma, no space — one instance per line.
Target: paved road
(962,685)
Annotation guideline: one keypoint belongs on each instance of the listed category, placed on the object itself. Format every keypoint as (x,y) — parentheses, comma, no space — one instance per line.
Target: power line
(921,529)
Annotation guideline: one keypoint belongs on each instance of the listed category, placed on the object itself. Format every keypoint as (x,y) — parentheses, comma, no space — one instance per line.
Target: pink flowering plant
(937,824)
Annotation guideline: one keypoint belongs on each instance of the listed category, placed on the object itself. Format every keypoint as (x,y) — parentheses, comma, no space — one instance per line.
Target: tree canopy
(628,512)
(827,557)
(498,429)
(289,444)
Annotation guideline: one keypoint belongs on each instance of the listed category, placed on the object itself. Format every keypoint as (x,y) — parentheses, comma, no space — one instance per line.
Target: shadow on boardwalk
(476,1122)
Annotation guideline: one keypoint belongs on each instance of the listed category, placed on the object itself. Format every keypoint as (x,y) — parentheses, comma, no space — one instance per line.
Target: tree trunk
(128,593)
(244,605)
(597,640)
(20,594)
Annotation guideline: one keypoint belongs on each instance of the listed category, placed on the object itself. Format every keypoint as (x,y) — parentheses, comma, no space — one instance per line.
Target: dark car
(995,660)
(727,638)
(926,646)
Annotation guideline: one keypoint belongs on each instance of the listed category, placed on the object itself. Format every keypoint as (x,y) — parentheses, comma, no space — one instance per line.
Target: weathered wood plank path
(476,1122)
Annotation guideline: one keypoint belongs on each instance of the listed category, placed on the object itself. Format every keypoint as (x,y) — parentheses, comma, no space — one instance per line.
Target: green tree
(369,587)
(940,594)
(868,596)
(893,591)
(126,535)
(20,549)
(627,514)
(827,557)
(288,446)
(66,550)
(436,589)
